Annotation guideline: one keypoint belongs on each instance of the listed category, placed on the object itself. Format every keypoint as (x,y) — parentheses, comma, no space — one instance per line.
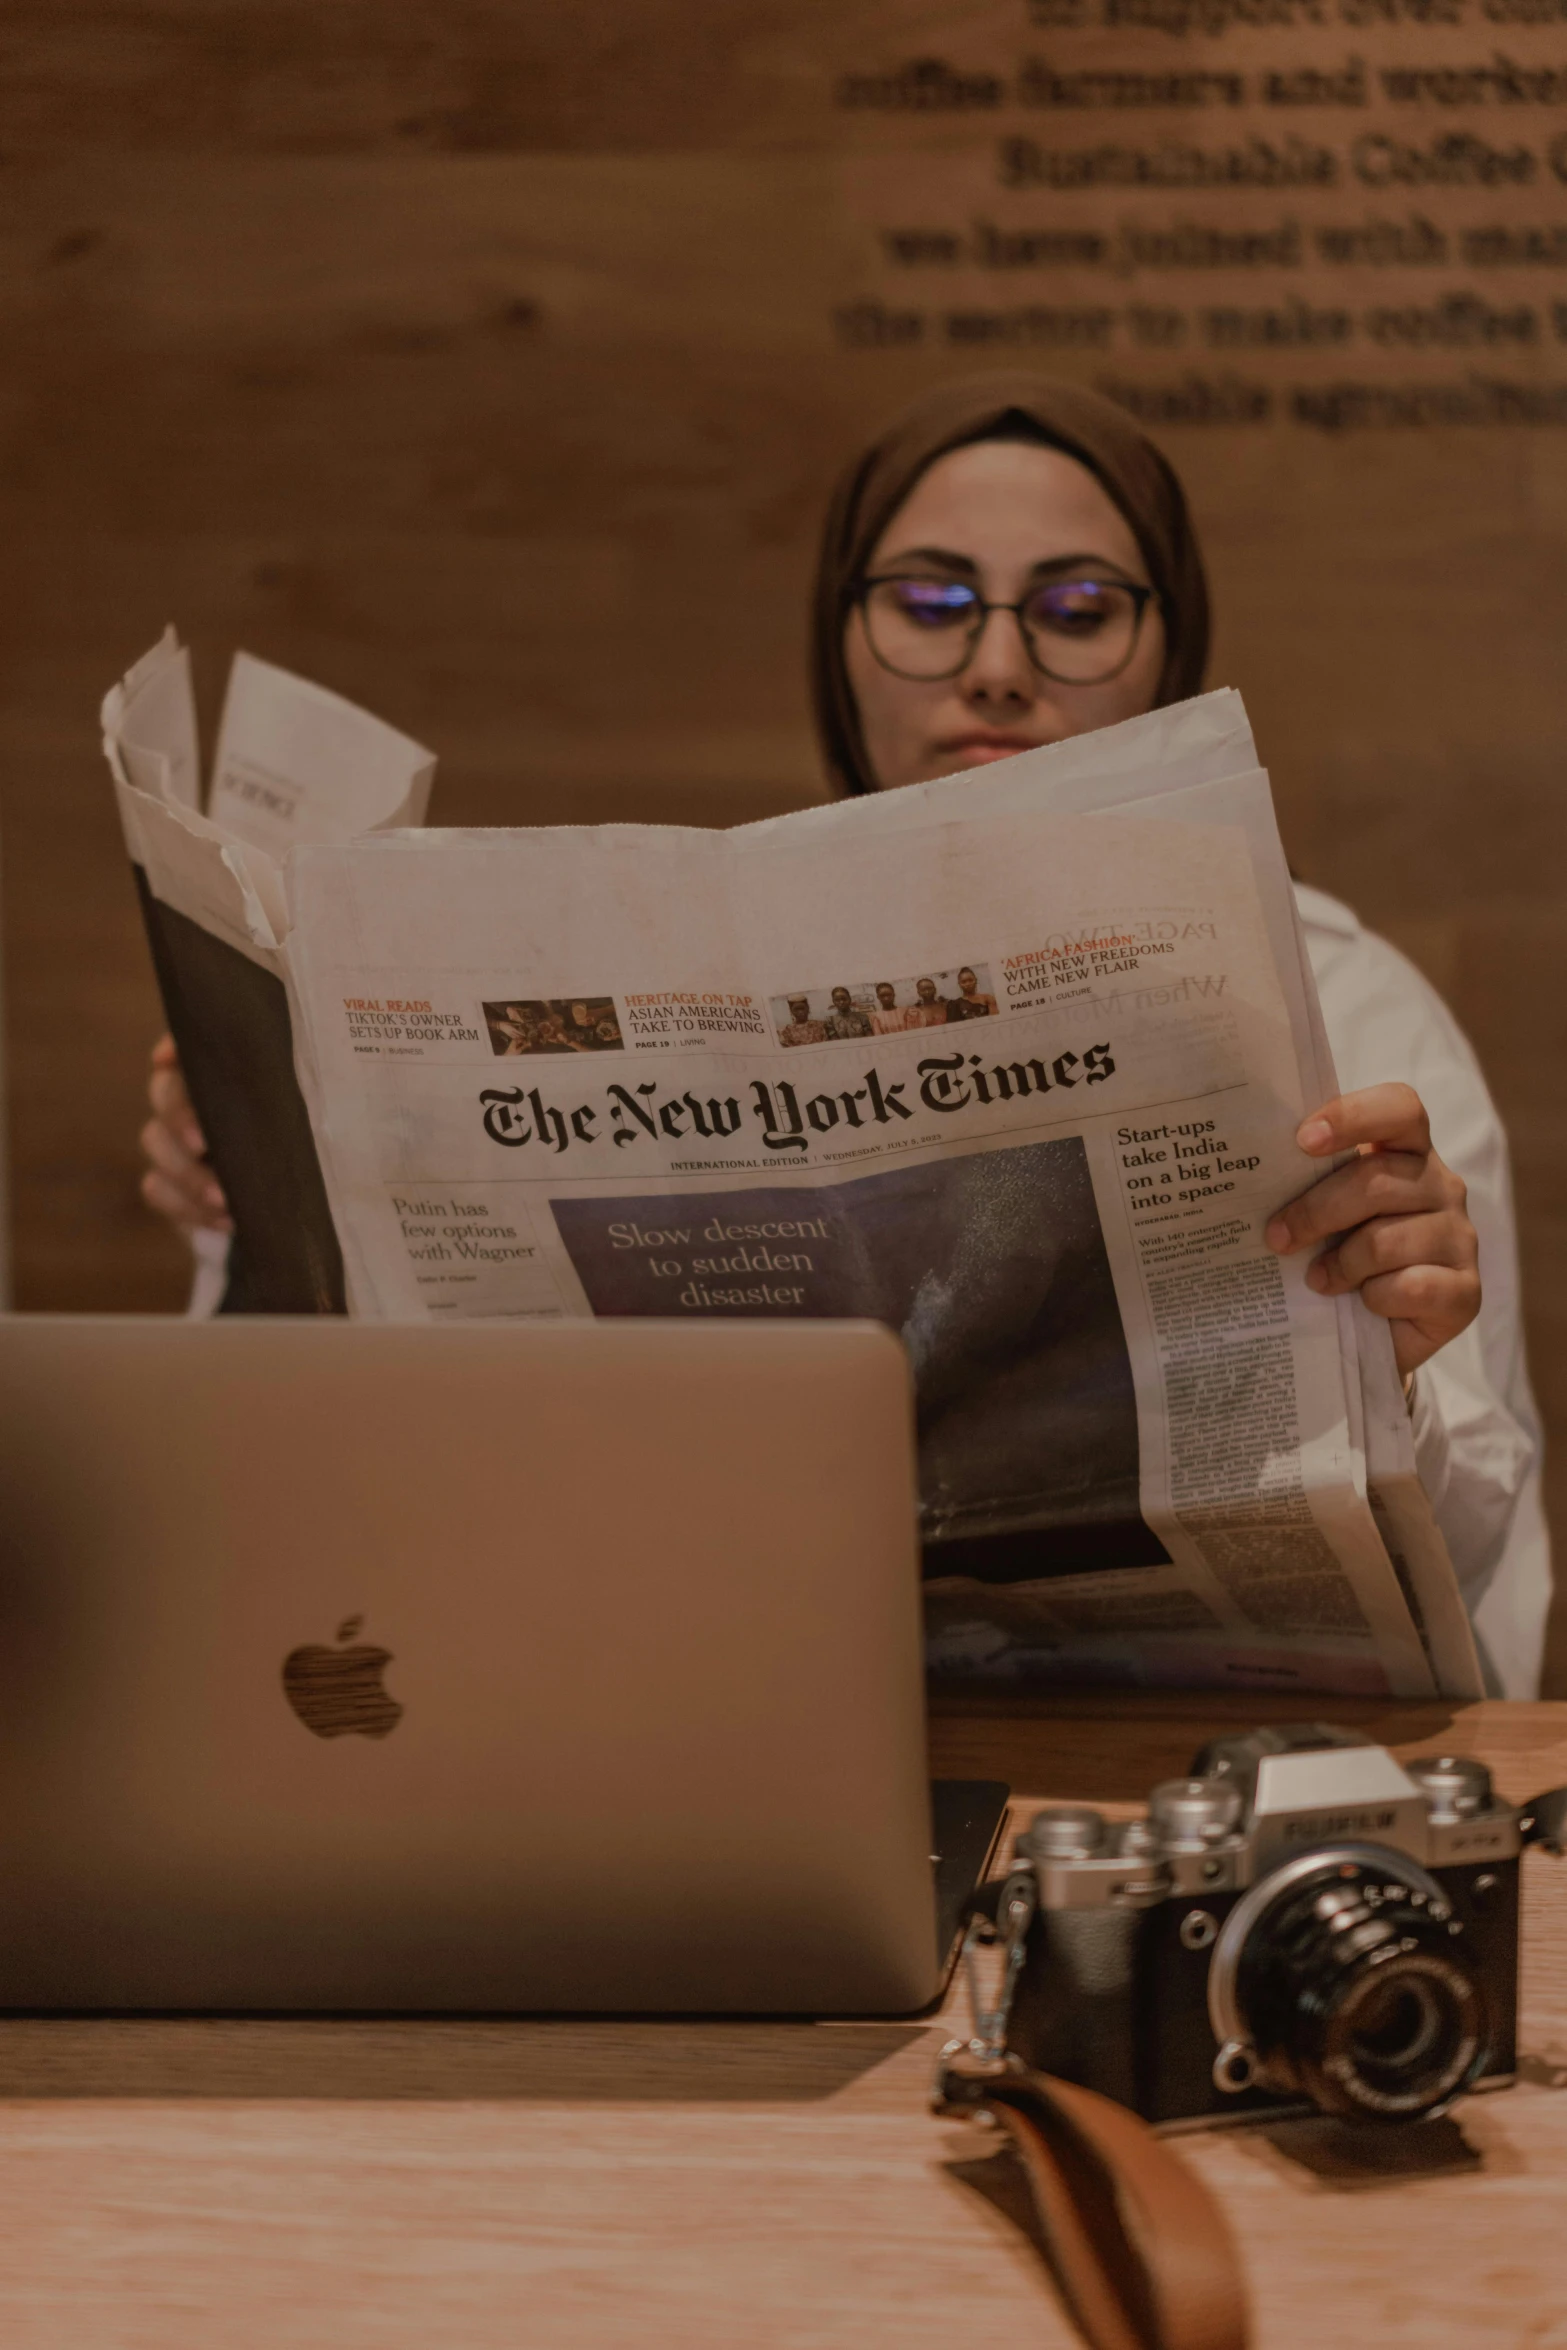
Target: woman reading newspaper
(1011,563)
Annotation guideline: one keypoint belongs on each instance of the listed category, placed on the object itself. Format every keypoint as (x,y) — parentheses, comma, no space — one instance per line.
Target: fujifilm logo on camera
(1344,1823)
(1302,1922)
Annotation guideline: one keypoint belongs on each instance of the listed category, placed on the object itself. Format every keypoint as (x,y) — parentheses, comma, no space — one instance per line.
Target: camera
(1303,1923)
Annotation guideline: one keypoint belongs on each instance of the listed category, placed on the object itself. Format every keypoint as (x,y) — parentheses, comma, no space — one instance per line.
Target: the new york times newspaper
(1011,1063)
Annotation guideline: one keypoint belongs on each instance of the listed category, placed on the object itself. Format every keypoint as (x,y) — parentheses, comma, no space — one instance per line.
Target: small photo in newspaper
(568,1024)
(883,1007)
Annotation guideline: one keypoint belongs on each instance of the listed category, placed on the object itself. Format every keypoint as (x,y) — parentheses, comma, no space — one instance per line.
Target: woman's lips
(976,750)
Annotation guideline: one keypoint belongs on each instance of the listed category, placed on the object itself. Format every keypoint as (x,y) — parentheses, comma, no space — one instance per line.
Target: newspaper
(1012,1062)
(293,763)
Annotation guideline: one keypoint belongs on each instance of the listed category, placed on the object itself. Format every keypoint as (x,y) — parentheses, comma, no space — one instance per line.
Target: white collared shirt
(1477,1432)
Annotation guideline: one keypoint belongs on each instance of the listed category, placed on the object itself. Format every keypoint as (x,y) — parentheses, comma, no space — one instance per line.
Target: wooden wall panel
(491,364)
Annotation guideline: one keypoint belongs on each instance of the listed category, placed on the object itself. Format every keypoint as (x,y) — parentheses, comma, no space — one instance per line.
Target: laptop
(489,1668)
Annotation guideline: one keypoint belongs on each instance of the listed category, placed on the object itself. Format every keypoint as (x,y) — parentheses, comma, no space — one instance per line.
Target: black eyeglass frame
(859,596)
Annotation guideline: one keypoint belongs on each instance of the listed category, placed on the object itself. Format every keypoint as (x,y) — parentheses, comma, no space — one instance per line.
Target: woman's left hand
(1393,1221)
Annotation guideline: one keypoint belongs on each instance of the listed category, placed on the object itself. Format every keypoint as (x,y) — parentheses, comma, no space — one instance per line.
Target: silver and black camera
(1302,1923)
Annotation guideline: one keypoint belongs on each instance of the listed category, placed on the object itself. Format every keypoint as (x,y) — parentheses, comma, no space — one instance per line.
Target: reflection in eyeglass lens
(1078,608)
(930,603)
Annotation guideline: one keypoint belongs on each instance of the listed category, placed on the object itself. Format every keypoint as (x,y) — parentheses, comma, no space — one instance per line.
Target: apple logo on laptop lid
(338,1692)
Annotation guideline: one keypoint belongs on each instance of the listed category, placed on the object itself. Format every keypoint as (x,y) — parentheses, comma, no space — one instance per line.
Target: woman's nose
(999,669)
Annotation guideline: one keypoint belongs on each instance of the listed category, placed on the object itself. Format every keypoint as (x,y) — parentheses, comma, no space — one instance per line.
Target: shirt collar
(1320,912)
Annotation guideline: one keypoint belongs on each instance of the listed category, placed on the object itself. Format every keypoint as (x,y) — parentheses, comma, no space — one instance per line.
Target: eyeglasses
(1077,631)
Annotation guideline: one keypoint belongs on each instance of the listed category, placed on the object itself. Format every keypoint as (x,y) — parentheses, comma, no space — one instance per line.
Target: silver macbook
(479,1668)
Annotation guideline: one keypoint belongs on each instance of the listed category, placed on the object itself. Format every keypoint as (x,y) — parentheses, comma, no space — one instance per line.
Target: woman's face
(1000,517)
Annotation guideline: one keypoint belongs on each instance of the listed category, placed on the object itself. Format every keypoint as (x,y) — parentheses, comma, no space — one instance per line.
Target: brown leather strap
(1140,2249)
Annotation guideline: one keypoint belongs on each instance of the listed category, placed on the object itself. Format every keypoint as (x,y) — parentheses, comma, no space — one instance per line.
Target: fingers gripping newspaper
(1012,1062)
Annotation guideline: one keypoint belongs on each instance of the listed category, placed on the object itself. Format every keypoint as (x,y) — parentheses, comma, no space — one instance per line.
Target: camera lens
(1400,2025)
(1353,1988)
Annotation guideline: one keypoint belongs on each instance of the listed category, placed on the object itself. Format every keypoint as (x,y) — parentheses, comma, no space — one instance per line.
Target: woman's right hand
(178,1183)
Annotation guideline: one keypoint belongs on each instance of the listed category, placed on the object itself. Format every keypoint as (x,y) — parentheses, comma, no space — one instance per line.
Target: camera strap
(1140,2249)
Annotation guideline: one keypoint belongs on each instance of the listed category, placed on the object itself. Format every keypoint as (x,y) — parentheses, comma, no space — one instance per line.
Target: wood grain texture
(251,2185)
(479,361)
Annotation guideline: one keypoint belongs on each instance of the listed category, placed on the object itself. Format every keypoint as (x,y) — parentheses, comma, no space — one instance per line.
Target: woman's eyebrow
(946,559)
(942,555)
(1081,562)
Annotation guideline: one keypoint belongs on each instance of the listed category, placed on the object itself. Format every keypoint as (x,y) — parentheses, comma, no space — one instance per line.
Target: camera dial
(1454,1788)
(1192,1815)
(1063,1831)
(1343,1977)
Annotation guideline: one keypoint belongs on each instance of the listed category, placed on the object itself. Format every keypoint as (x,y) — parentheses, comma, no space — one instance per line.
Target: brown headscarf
(988,407)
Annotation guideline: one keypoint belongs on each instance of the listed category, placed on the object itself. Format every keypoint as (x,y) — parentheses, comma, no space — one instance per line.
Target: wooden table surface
(197,2185)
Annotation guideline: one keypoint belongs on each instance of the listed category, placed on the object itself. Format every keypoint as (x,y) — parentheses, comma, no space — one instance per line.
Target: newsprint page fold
(1011,1062)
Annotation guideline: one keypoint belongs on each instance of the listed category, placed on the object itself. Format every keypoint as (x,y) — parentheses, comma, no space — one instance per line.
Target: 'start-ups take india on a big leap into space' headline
(1012,1062)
